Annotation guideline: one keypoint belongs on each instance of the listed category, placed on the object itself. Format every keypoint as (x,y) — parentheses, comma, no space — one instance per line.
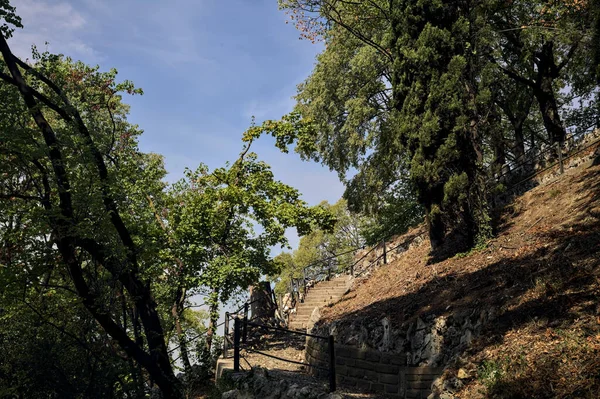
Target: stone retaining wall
(372,370)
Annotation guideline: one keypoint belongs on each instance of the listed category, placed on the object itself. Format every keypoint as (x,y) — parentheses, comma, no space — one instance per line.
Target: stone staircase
(321,294)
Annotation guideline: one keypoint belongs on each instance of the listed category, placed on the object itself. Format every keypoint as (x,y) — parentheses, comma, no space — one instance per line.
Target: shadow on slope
(542,278)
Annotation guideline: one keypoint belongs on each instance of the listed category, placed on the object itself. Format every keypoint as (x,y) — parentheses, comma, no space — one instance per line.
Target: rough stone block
(389,379)
(361,364)
(363,384)
(398,360)
(360,354)
(343,351)
(377,388)
(341,370)
(349,361)
(424,370)
(387,369)
(391,389)
(372,356)
(420,385)
(347,381)
(416,394)
(418,378)
(358,373)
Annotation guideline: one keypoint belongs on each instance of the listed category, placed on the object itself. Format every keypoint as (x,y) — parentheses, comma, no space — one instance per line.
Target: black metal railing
(302,284)
(556,148)
(240,342)
(227,338)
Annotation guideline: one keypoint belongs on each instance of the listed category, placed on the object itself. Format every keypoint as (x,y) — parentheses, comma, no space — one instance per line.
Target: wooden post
(245,327)
(236,344)
(560,157)
(384,253)
(331,347)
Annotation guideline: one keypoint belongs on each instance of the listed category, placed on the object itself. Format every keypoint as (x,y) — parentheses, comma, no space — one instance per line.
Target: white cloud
(57,23)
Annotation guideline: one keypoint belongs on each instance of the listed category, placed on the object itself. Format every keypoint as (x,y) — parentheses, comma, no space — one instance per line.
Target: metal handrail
(285,360)
(239,339)
(553,165)
(286,330)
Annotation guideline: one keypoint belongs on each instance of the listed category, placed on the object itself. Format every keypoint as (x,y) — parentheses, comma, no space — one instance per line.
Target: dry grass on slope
(542,274)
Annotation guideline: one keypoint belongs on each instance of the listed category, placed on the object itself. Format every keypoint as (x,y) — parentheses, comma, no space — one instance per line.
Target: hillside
(529,300)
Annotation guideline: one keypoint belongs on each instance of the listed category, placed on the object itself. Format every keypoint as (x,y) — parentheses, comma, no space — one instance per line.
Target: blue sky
(206,67)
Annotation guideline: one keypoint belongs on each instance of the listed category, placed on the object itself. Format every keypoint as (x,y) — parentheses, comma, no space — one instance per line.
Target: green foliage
(346,236)
(490,373)
(9,19)
(52,345)
(436,96)
(215,217)
(209,233)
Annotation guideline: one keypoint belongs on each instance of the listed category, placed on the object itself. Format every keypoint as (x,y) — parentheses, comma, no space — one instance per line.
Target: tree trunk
(69,244)
(176,311)
(544,93)
(261,298)
(213,301)
(519,144)
(498,146)
(547,101)
(437,229)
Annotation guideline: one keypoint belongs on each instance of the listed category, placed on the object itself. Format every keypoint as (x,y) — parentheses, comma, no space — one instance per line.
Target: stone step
(336,284)
(332,282)
(312,305)
(325,291)
(304,314)
(319,300)
(322,297)
(302,320)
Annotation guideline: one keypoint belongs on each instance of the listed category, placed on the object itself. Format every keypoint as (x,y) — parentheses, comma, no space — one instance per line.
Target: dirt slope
(542,274)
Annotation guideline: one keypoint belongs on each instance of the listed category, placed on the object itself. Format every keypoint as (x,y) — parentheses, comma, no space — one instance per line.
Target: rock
(462,374)
(235,394)
(352,340)
(315,316)
(427,339)
(418,340)
(467,337)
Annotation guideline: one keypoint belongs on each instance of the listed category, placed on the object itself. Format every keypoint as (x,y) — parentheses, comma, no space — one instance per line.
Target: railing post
(304,281)
(560,157)
(236,344)
(226,335)
(245,327)
(384,253)
(331,347)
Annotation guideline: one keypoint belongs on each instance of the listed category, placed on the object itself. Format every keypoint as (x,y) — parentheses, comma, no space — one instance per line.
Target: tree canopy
(98,249)
(433,97)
